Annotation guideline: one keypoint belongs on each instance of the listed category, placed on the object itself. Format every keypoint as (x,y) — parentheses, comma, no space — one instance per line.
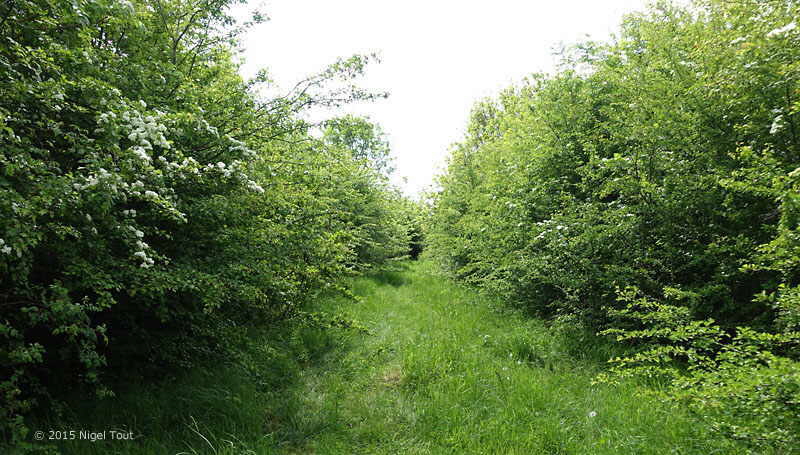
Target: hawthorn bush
(664,161)
(152,204)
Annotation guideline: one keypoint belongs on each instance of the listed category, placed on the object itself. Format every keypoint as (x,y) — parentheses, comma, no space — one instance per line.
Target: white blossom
(106,117)
(253,186)
(777,125)
(146,131)
(780,31)
(126,5)
(141,153)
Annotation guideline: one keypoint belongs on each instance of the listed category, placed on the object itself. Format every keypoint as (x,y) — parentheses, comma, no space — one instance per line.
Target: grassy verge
(443,370)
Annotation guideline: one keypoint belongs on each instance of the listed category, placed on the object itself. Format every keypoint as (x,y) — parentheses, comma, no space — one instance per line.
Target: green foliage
(441,369)
(664,161)
(152,205)
(412,215)
(734,381)
(364,139)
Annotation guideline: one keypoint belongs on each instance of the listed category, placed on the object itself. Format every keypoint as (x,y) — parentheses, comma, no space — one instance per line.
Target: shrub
(663,162)
(152,205)
(735,382)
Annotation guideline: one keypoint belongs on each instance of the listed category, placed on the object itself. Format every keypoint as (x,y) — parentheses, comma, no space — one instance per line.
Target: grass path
(446,371)
(442,370)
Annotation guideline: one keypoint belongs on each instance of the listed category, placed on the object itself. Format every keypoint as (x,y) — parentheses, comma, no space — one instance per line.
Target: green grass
(443,370)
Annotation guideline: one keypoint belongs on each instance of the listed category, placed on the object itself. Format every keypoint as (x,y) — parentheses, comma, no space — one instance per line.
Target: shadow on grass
(388,277)
(252,402)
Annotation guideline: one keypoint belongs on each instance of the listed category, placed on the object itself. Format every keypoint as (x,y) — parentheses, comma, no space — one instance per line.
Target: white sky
(438,58)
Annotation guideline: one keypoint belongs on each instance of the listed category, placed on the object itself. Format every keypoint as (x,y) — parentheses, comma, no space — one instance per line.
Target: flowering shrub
(147,211)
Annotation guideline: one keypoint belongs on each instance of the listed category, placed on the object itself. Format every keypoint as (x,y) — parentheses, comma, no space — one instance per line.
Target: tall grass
(442,370)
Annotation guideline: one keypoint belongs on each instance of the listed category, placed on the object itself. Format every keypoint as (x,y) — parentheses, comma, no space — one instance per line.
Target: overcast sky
(438,58)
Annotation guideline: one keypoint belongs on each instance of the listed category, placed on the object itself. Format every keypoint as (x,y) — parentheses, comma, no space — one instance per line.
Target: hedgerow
(152,204)
(664,161)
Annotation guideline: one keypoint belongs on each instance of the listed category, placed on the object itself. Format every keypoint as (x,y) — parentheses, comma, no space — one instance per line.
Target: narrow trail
(444,370)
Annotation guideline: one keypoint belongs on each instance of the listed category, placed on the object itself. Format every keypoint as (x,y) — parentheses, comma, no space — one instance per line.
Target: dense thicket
(152,205)
(649,189)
